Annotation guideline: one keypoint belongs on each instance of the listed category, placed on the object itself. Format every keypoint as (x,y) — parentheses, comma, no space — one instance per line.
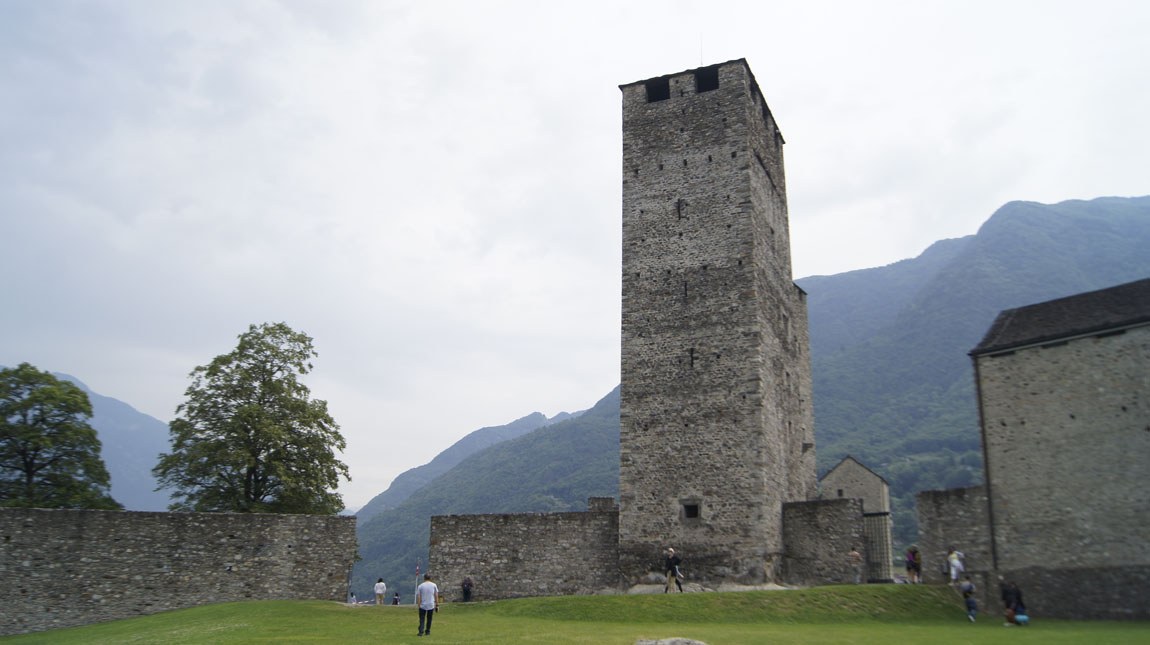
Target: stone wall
(1045,410)
(1066,439)
(527,554)
(715,417)
(63,568)
(957,517)
(1084,593)
(817,538)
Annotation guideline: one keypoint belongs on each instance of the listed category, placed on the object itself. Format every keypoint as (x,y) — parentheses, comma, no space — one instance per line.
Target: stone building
(716,428)
(851,479)
(716,431)
(1064,400)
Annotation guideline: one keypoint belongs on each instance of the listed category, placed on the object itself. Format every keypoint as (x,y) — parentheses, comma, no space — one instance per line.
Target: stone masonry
(1065,419)
(850,478)
(63,568)
(716,431)
(716,428)
(1064,398)
(527,554)
(957,518)
(818,538)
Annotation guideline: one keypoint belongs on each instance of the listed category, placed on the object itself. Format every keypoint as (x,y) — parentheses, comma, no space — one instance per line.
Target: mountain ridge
(893,385)
(411,480)
(553,468)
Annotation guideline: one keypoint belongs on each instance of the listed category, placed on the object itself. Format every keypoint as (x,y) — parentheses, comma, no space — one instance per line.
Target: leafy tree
(249,438)
(49,455)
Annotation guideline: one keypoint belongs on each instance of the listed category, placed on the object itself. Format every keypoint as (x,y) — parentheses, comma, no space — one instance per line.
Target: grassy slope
(868,614)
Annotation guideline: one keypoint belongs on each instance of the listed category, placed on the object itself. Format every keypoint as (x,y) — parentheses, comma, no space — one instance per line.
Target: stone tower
(716,425)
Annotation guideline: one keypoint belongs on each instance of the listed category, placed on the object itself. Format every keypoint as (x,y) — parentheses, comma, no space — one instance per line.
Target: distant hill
(554,468)
(893,385)
(892,380)
(412,480)
(132,443)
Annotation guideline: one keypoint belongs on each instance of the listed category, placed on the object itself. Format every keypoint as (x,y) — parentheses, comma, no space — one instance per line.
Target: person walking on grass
(427,599)
(380,593)
(671,565)
(968,597)
(913,565)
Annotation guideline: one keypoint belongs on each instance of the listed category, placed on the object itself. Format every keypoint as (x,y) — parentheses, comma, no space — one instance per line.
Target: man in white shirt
(380,592)
(427,598)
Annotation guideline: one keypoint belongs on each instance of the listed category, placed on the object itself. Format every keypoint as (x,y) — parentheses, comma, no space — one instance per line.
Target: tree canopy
(49,455)
(249,438)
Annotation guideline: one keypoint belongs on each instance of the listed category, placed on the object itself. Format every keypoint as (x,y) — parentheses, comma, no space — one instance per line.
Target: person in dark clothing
(913,565)
(672,568)
(968,597)
(1020,615)
(1012,603)
(467,584)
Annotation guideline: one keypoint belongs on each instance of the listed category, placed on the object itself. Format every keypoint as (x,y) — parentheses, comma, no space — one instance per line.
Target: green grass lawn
(866,614)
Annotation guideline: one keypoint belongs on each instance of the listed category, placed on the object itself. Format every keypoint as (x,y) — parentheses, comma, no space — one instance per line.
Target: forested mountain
(899,394)
(554,468)
(412,480)
(893,384)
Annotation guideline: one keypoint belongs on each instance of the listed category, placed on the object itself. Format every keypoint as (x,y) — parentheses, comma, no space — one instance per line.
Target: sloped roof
(1086,313)
(864,467)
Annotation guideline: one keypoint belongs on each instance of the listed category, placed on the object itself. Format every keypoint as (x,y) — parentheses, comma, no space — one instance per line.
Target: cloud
(432,189)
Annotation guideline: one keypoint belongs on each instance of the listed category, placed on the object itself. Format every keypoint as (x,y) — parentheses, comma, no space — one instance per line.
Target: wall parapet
(64,567)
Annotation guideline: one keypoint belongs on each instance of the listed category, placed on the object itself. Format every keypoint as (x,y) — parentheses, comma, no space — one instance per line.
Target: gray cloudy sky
(432,189)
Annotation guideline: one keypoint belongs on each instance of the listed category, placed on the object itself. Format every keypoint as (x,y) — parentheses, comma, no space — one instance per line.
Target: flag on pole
(417,562)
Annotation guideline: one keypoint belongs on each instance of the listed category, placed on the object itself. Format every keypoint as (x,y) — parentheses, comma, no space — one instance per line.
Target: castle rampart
(957,518)
(527,554)
(63,568)
(818,537)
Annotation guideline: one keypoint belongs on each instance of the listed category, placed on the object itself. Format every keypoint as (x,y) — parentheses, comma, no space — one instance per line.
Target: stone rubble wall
(1065,438)
(1067,435)
(1093,593)
(957,517)
(514,555)
(817,538)
(63,568)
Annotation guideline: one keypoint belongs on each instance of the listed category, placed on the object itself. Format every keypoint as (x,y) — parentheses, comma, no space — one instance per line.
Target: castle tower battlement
(716,424)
